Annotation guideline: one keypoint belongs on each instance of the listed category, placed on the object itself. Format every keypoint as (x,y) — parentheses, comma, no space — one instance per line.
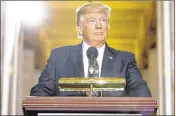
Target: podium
(33,105)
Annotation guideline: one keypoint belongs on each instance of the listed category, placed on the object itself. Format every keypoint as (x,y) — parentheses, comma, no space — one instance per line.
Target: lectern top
(94,84)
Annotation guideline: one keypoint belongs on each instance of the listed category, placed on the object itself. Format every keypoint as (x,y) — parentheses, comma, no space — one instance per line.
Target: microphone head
(92,53)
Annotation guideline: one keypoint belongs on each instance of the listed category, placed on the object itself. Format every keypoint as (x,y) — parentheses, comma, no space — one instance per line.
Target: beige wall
(151,74)
(29,72)
(28,78)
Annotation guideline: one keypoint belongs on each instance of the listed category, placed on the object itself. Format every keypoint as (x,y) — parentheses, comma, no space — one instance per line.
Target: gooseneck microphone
(92,54)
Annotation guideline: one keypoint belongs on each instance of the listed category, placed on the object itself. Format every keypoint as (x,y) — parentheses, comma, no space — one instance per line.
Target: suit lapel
(107,64)
(77,58)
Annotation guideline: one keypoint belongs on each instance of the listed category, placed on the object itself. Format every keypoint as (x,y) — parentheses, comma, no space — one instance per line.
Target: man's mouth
(98,33)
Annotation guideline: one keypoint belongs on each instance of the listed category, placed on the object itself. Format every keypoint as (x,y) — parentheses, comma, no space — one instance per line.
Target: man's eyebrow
(103,17)
(90,18)
(95,18)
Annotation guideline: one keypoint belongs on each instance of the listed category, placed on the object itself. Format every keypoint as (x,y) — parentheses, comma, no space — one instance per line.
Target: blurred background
(31,29)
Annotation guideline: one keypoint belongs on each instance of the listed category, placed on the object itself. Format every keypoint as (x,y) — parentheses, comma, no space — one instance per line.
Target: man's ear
(80,30)
(108,25)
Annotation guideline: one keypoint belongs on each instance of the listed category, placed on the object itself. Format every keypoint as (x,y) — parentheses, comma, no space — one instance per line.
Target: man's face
(95,28)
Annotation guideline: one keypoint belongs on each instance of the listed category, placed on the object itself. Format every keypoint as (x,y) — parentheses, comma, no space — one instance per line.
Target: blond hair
(89,8)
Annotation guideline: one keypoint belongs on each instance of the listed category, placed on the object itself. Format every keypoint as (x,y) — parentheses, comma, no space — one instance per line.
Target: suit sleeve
(47,81)
(135,86)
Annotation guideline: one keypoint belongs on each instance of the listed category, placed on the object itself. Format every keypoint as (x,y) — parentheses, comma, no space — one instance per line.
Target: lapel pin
(110,57)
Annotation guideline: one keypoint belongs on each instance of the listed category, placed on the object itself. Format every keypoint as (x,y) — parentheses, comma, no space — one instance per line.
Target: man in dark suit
(71,61)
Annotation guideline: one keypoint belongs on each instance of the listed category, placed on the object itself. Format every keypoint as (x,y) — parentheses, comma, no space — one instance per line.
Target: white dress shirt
(85,46)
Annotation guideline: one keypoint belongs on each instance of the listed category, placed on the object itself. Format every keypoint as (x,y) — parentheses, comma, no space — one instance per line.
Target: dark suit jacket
(67,61)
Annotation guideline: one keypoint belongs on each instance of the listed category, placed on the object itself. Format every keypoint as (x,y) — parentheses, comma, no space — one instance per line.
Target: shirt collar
(86,46)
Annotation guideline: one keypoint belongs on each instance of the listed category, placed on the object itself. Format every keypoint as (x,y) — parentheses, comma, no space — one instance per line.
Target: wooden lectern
(102,105)
(119,105)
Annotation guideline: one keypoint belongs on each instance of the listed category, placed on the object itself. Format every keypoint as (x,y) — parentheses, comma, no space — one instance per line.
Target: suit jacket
(67,62)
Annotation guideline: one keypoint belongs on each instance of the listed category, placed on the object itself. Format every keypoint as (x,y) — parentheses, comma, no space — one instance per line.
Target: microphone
(92,54)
